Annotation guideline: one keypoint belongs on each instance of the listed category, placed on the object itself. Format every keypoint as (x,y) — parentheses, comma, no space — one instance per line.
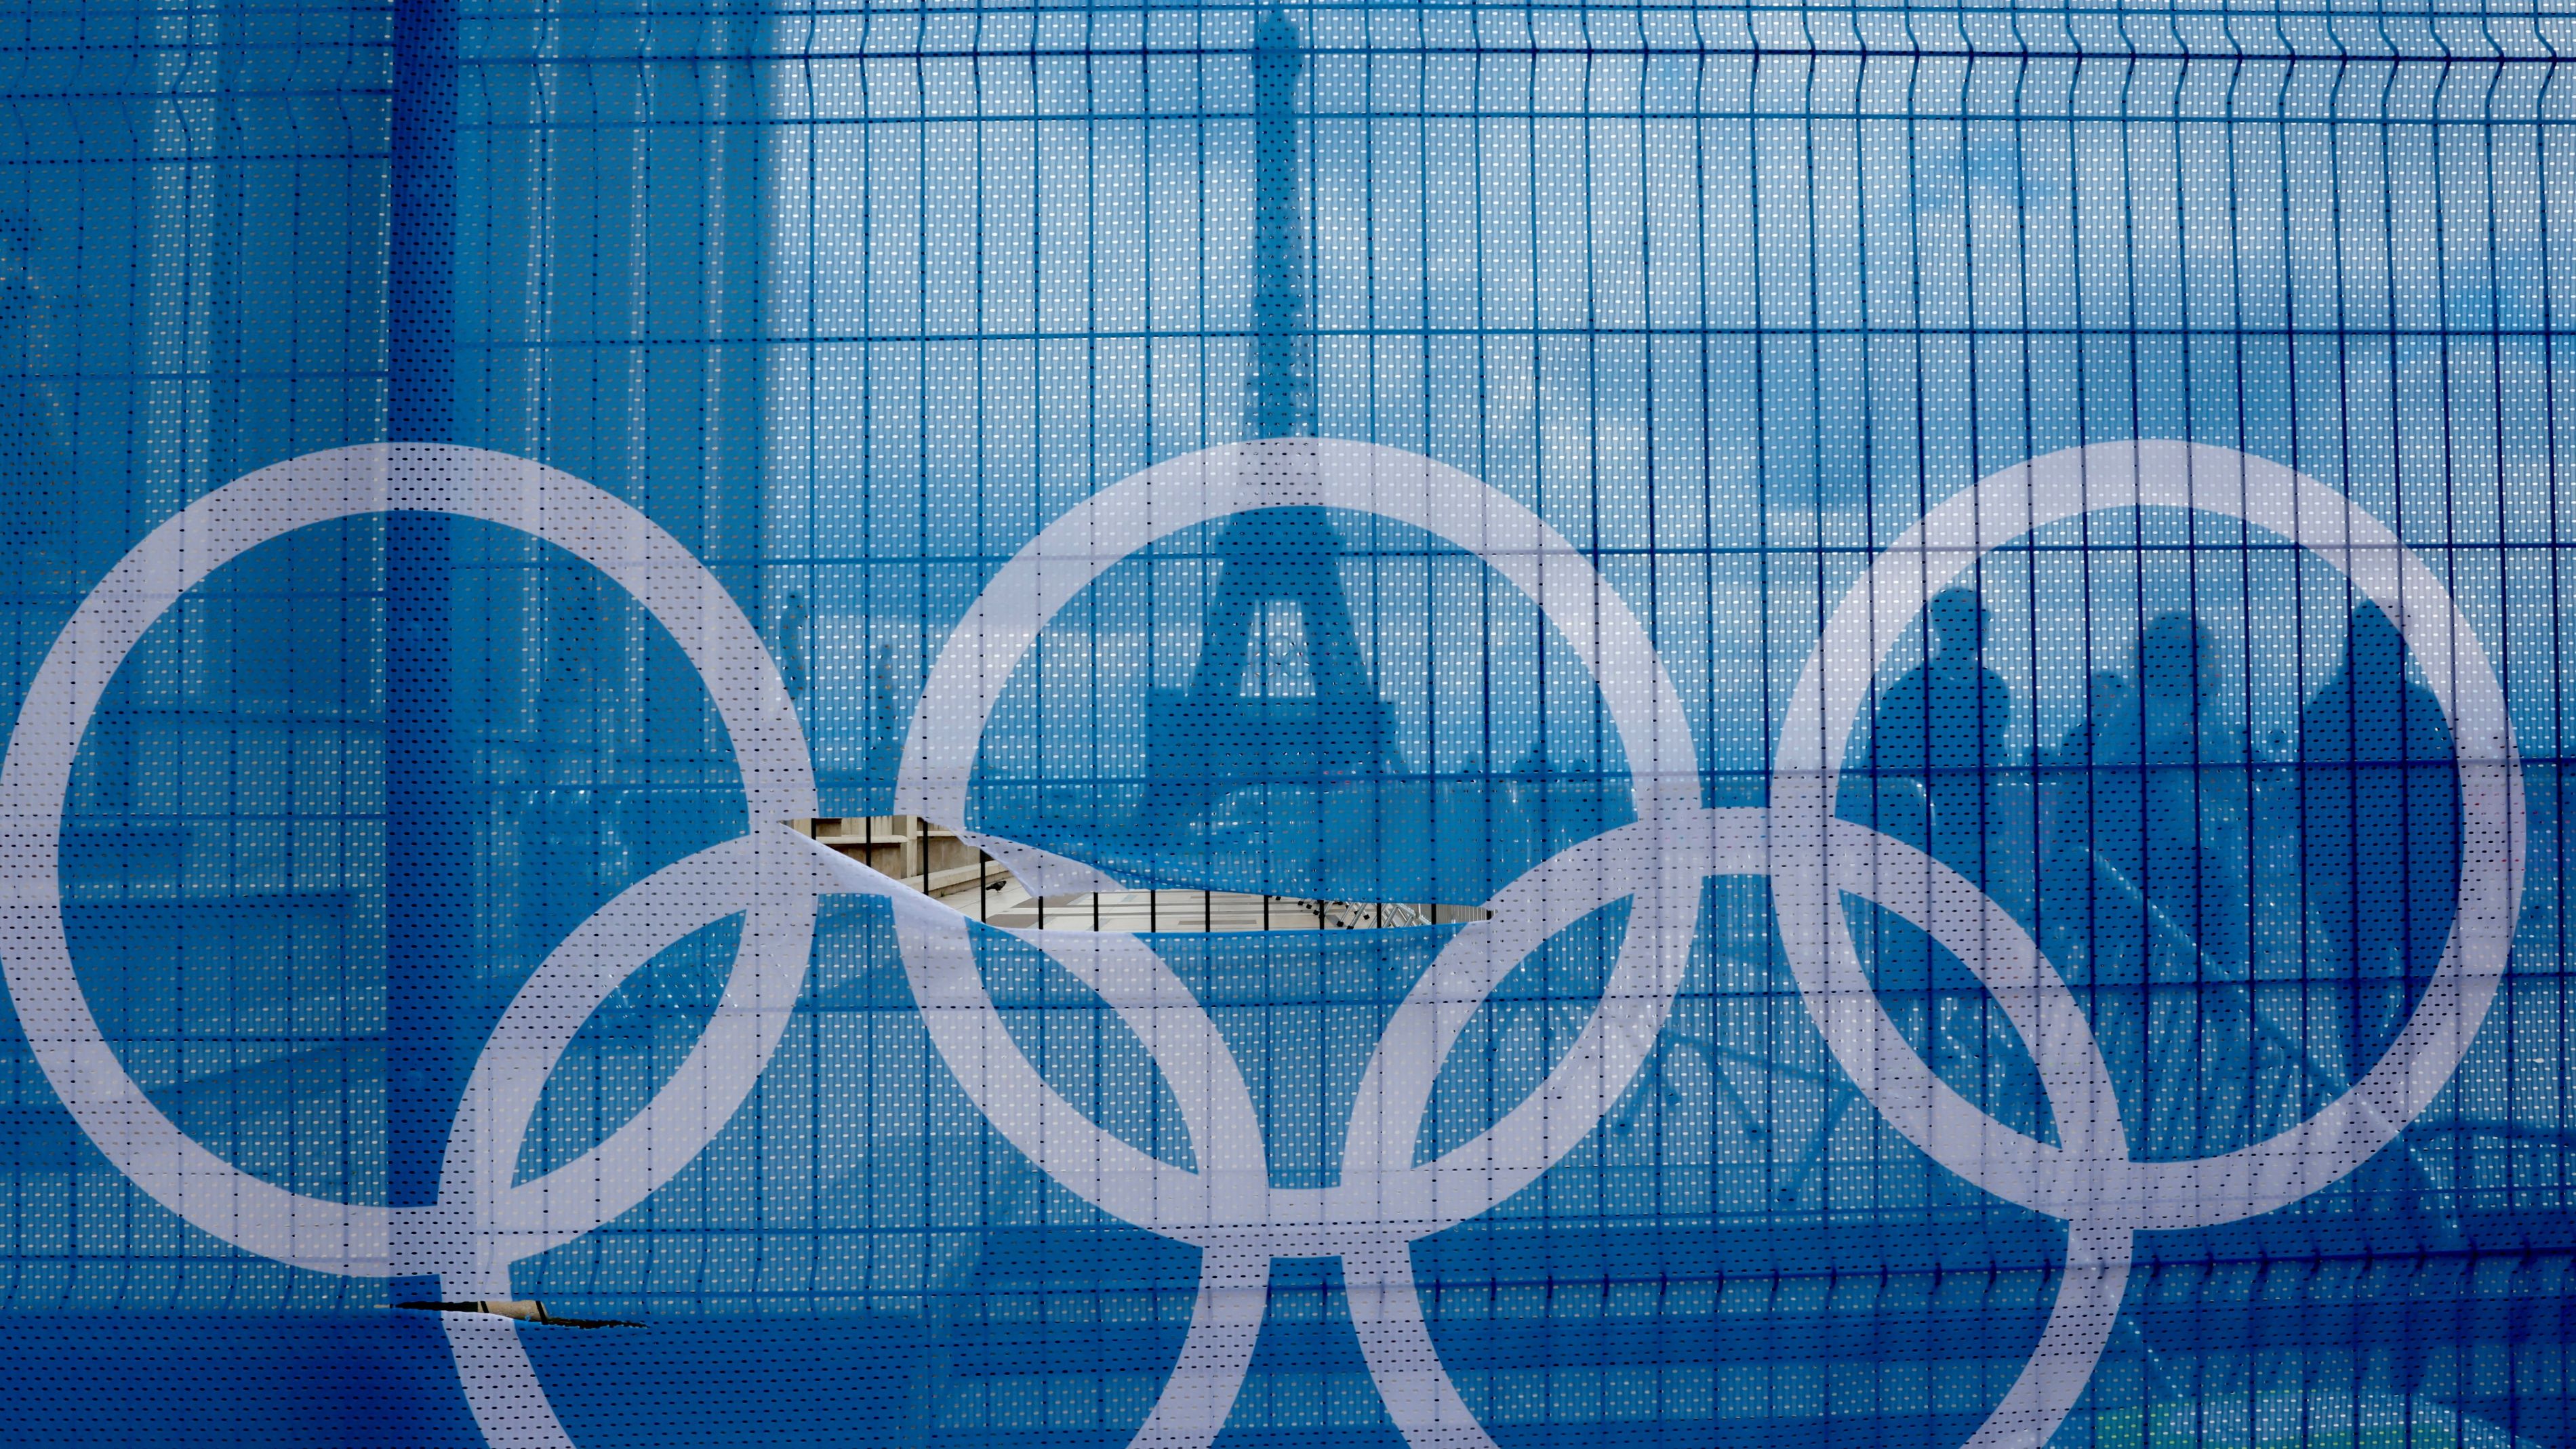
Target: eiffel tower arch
(1281,695)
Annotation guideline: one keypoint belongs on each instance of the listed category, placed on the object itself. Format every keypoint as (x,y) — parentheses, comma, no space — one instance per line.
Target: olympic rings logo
(1383,1201)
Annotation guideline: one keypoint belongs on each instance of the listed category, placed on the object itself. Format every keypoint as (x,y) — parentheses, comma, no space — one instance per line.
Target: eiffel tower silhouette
(1280,695)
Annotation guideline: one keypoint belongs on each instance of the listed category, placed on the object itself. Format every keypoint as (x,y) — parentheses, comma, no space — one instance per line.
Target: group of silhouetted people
(2155,853)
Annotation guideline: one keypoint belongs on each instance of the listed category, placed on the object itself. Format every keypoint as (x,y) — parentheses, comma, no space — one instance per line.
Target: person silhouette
(2379,841)
(2379,807)
(2107,701)
(1927,776)
(794,623)
(2193,776)
(2172,852)
(2073,932)
(1936,740)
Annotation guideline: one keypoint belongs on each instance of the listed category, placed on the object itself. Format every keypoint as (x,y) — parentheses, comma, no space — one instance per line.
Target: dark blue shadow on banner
(210,1380)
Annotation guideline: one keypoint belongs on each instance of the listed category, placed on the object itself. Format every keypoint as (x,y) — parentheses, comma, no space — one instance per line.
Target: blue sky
(1744,315)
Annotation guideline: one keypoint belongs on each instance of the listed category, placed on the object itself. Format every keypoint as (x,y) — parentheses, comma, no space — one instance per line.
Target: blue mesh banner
(1193,727)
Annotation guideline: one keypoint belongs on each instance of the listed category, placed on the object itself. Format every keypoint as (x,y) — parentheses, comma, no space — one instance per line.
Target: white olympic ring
(463,1238)
(1383,1202)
